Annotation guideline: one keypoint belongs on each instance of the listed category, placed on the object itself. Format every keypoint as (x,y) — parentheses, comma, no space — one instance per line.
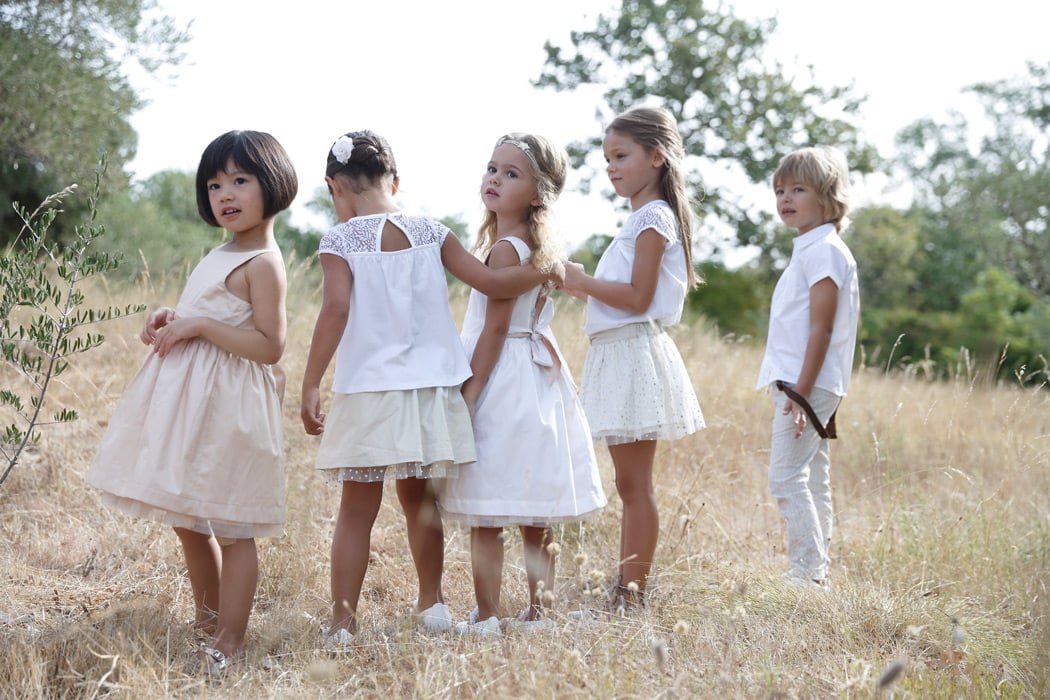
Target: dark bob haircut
(256,153)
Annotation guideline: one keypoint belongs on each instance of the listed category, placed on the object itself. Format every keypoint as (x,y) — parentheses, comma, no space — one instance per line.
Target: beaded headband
(523,147)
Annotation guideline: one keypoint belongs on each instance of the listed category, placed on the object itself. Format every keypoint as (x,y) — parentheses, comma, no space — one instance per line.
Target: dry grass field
(943,517)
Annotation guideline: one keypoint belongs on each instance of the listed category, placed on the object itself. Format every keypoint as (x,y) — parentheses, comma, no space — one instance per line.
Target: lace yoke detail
(361,234)
(657,216)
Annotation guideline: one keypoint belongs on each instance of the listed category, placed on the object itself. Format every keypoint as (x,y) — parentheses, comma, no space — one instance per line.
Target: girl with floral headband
(397,412)
(536,464)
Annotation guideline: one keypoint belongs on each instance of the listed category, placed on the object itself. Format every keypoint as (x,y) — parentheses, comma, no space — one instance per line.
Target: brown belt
(825,432)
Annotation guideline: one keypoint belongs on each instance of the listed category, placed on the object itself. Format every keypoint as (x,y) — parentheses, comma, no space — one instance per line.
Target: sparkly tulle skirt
(635,387)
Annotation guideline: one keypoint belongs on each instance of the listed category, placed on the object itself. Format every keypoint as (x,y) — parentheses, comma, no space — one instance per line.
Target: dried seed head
(554,549)
(633,587)
(321,670)
(548,598)
(958,634)
(596,577)
(580,558)
(681,627)
(659,652)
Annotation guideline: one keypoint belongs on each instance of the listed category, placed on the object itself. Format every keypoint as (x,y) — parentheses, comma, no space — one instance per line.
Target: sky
(443,80)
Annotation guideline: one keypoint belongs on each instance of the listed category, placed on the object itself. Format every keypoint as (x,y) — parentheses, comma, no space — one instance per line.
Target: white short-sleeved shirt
(617,264)
(400,333)
(816,254)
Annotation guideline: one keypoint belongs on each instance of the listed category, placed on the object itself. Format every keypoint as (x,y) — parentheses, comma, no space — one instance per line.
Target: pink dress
(195,441)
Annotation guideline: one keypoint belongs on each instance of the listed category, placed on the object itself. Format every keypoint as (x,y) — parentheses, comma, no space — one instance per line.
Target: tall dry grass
(943,513)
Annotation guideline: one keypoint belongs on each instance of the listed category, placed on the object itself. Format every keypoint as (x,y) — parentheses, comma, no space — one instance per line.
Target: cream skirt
(377,436)
(635,387)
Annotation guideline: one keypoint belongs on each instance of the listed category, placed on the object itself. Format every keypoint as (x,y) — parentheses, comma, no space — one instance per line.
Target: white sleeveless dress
(195,440)
(535,458)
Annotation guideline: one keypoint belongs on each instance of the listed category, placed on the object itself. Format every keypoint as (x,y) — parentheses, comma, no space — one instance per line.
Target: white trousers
(800,482)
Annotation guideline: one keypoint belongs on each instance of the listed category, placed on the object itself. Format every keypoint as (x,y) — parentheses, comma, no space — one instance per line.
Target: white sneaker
(437,618)
(484,629)
(338,642)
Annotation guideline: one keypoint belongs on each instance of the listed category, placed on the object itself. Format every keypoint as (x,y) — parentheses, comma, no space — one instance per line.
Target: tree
(735,108)
(42,319)
(987,205)
(886,243)
(63,95)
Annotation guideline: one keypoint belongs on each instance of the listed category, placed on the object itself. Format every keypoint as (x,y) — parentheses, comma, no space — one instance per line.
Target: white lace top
(400,333)
(617,264)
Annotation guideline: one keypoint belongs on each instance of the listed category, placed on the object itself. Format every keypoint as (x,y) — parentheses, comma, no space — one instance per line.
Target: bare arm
(823,303)
(497,322)
(266,285)
(328,330)
(504,283)
(634,296)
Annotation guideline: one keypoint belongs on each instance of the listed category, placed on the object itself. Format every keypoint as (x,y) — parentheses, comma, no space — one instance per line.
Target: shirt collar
(810,237)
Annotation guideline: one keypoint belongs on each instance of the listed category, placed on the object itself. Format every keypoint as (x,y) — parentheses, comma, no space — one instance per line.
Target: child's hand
(556,276)
(310,411)
(574,276)
(798,417)
(470,394)
(174,332)
(157,320)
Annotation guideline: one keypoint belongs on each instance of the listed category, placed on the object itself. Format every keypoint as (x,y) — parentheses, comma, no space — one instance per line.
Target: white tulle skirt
(635,387)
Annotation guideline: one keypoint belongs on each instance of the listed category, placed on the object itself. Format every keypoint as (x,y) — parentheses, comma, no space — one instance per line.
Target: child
(809,351)
(397,412)
(536,463)
(195,441)
(635,387)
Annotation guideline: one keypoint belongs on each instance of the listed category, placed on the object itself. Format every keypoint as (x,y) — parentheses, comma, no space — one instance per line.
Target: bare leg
(351,543)
(539,567)
(240,576)
(203,564)
(486,559)
(640,529)
(426,538)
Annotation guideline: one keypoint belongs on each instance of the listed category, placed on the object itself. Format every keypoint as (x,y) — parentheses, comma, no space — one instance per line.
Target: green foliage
(155,230)
(590,251)
(157,225)
(986,204)
(886,243)
(737,301)
(965,273)
(42,319)
(64,97)
(736,109)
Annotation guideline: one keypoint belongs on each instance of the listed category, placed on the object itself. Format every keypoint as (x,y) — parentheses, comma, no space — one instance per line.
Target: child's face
(236,198)
(799,205)
(508,186)
(633,171)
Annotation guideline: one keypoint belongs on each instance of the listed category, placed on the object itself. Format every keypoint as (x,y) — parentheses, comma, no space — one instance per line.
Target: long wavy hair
(549,165)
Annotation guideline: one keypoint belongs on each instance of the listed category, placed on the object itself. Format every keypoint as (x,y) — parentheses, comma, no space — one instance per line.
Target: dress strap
(521,247)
